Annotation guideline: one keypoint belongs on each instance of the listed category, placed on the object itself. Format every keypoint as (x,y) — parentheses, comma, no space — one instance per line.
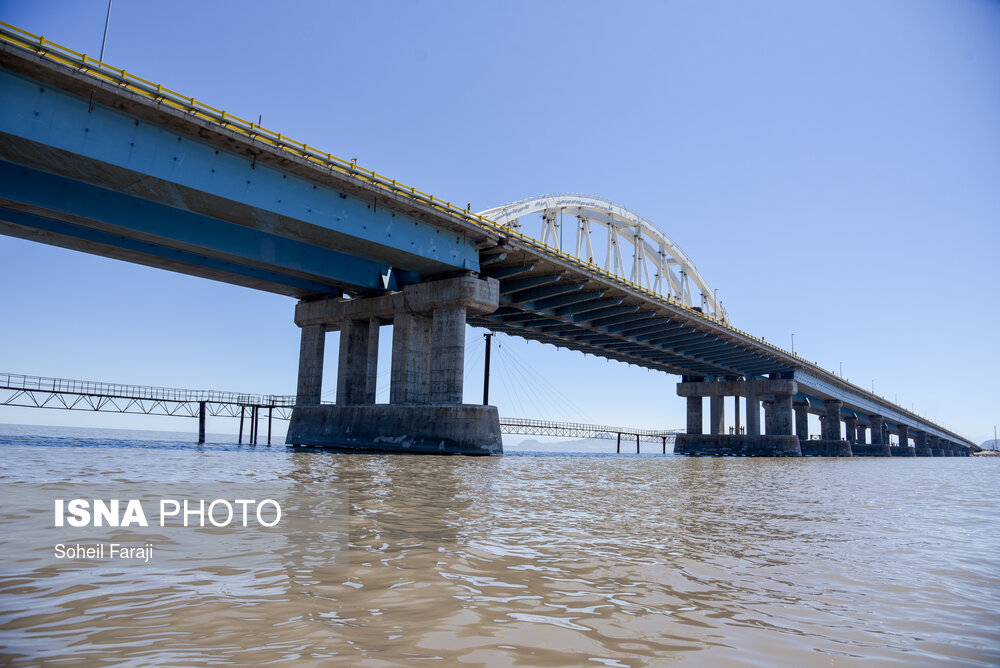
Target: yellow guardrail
(198,109)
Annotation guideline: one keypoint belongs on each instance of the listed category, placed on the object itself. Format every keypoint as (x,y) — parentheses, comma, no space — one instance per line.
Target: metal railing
(580,430)
(16,381)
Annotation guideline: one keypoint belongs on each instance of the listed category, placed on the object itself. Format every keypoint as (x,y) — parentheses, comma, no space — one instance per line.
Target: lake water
(539,560)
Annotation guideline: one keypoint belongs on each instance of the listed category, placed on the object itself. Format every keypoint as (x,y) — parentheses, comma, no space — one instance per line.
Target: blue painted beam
(113,144)
(550,303)
(505,272)
(586,307)
(683,334)
(640,328)
(193,260)
(136,218)
(608,323)
(639,319)
(658,332)
(603,312)
(487,259)
(534,294)
(515,284)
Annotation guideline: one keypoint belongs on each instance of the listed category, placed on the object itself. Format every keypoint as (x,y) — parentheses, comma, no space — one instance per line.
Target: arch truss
(626,244)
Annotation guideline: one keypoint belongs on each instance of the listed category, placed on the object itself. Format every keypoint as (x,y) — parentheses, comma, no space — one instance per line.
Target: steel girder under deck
(543,302)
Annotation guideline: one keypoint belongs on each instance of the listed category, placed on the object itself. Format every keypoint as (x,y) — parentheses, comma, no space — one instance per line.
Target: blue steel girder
(549,304)
(570,311)
(534,294)
(656,325)
(659,333)
(515,284)
(708,344)
(560,328)
(61,132)
(523,316)
(487,259)
(91,240)
(602,312)
(607,323)
(685,333)
(505,272)
(638,322)
(124,217)
(684,329)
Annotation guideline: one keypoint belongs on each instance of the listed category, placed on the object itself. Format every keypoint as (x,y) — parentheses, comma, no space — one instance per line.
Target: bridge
(97,159)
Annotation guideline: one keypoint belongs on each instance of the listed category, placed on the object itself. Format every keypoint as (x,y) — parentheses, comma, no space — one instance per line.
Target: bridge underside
(548,302)
(83,168)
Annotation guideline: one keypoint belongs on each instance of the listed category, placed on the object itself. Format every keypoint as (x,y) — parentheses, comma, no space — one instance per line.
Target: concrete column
(736,415)
(355,370)
(782,414)
(769,427)
(921,448)
(904,436)
(862,434)
(694,415)
(877,429)
(753,415)
(717,415)
(411,358)
(851,427)
(448,353)
(831,425)
(801,420)
(310,386)
(371,369)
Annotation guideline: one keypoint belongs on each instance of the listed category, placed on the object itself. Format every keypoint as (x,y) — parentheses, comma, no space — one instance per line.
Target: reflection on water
(546,561)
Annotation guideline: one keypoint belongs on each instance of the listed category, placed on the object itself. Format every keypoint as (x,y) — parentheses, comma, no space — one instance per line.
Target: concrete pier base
(737,445)
(872,450)
(824,448)
(425,413)
(901,451)
(452,429)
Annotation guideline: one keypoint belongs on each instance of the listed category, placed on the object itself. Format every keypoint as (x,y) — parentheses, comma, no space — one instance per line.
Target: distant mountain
(992,444)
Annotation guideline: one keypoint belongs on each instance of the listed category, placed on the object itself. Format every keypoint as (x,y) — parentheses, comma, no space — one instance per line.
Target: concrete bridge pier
(753,412)
(879,447)
(904,449)
(851,427)
(830,443)
(801,409)
(778,440)
(922,446)
(425,413)
(937,446)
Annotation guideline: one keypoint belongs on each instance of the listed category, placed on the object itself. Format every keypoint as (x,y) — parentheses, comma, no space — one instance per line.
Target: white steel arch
(673,272)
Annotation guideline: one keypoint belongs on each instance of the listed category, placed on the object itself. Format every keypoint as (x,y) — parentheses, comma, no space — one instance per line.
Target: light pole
(793,344)
(716,305)
(107,21)
(841,370)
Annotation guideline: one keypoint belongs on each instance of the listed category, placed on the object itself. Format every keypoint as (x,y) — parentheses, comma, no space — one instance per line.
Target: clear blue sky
(833,168)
